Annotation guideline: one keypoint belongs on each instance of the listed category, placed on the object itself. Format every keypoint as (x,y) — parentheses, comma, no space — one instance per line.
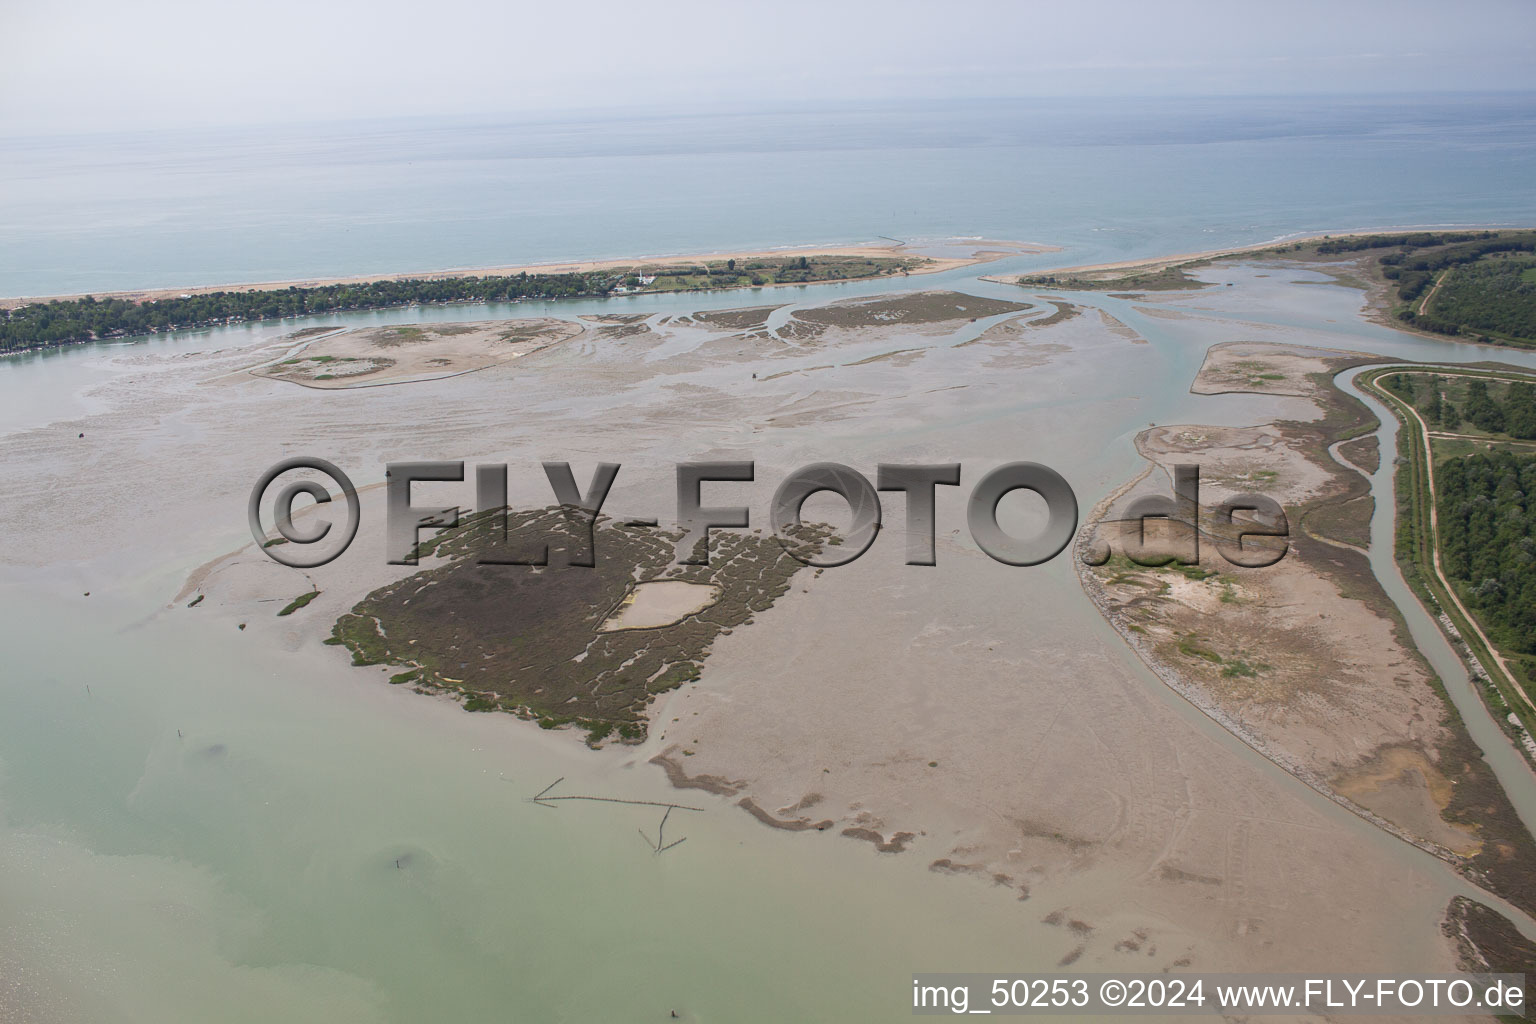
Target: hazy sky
(88,64)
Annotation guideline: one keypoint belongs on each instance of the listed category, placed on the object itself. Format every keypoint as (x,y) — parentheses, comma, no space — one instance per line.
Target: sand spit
(1135,267)
(978,251)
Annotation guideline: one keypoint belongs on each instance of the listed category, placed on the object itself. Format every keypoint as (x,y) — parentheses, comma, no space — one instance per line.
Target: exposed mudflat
(979,719)
(1306,659)
(391,355)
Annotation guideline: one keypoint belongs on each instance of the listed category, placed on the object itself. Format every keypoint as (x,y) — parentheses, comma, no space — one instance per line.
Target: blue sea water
(1107,179)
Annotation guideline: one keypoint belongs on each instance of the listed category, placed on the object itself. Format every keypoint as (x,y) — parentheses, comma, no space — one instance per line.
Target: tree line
(1487,298)
(1413,273)
(1488,537)
(1514,414)
(1496,296)
(1412,240)
(68,321)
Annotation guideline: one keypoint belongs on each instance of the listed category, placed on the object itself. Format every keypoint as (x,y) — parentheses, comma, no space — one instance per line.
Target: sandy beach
(983,251)
(1163,262)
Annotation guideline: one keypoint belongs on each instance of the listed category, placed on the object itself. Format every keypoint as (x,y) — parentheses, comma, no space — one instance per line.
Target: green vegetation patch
(1348,522)
(749,318)
(1476,284)
(1175,278)
(1064,311)
(1191,647)
(1488,542)
(916,308)
(71,321)
(760,271)
(299,602)
(1364,452)
(527,639)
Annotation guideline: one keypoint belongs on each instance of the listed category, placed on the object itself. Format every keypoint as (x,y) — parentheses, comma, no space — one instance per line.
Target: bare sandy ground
(1162,262)
(978,718)
(391,355)
(1314,676)
(1263,368)
(661,603)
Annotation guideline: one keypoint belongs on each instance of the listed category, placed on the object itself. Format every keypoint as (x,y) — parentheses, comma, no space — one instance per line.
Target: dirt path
(1423,437)
(1424,303)
(1446,435)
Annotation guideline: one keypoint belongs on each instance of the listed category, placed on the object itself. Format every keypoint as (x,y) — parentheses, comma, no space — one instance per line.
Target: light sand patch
(1401,784)
(416,352)
(660,603)
(1017,328)
(1316,679)
(898,357)
(1012,329)
(1126,268)
(821,407)
(1023,359)
(1162,314)
(1263,368)
(1235,460)
(1120,327)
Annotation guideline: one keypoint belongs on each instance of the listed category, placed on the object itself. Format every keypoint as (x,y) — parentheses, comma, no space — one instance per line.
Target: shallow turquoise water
(193,831)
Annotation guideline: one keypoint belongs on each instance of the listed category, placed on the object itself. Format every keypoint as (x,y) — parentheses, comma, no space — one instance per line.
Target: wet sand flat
(980,719)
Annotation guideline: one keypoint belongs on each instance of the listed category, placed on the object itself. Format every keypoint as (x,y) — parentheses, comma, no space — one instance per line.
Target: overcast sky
(72,65)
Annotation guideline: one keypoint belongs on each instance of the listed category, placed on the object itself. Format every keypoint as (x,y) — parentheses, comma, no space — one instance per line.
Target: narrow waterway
(1508,763)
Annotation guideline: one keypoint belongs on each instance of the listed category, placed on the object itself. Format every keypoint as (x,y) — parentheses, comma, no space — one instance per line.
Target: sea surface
(191,829)
(1108,179)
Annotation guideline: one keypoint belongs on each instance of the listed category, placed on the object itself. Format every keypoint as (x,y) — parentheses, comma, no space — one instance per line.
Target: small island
(559,643)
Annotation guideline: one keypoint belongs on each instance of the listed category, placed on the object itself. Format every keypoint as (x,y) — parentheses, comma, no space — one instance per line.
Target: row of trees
(1513,413)
(1492,298)
(1488,535)
(1430,400)
(1478,295)
(67,321)
(1515,416)
(1415,240)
